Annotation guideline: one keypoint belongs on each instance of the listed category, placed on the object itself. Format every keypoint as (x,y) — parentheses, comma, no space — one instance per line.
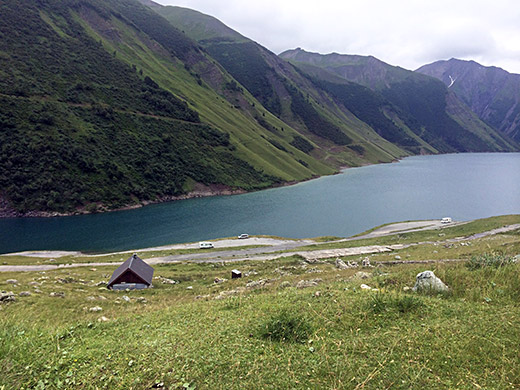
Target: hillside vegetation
(106,104)
(491,92)
(88,122)
(423,104)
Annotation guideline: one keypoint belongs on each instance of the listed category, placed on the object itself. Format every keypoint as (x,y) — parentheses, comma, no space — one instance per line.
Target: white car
(205,245)
(243,235)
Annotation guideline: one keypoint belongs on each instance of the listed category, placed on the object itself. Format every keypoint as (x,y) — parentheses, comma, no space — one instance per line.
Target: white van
(446,220)
(205,245)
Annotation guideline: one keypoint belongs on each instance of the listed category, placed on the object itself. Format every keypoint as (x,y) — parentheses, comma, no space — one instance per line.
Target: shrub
(286,326)
(489,260)
(383,303)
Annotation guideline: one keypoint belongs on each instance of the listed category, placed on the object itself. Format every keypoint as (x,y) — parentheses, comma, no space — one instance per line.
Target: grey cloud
(408,33)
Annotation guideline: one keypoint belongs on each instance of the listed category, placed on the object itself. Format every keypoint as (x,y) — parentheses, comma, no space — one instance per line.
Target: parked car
(205,245)
(446,220)
(243,235)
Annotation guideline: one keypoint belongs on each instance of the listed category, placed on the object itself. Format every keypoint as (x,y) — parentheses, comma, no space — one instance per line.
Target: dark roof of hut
(135,266)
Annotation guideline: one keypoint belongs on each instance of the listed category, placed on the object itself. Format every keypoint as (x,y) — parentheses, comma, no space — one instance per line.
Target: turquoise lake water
(462,186)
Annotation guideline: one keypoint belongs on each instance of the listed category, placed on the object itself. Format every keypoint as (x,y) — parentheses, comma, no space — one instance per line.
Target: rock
(25,294)
(397,257)
(229,293)
(366,263)
(141,300)
(189,288)
(103,319)
(219,280)
(57,294)
(37,291)
(93,269)
(102,283)
(406,288)
(7,296)
(427,281)
(308,283)
(35,284)
(257,283)
(349,264)
(341,264)
(317,294)
(365,287)
(11,281)
(166,280)
(95,309)
(285,284)
(126,298)
(361,275)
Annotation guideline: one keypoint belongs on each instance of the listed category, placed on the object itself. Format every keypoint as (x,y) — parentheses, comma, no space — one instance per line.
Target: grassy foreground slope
(263,331)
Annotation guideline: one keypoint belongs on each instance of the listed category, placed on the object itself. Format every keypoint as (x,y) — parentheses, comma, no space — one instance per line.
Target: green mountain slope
(492,93)
(288,94)
(105,104)
(424,104)
(201,27)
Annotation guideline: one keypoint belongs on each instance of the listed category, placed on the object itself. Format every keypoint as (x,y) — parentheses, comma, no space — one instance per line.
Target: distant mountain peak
(150,3)
(491,92)
(199,26)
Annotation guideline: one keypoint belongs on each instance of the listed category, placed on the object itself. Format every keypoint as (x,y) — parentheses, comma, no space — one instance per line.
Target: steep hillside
(105,104)
(365,70)
(199,26)
(492,93)
(293,97)
(426,106)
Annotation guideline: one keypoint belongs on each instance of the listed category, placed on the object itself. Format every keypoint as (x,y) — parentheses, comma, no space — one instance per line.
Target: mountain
(338,135)
(105,104)
(201,27)
(425,104)
(113,103)
(492,93)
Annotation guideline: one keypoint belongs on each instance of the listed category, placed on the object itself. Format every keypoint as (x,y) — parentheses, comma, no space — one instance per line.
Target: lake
(461,186)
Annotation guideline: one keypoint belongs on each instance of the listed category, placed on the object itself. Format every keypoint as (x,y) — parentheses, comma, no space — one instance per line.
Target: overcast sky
(407,33)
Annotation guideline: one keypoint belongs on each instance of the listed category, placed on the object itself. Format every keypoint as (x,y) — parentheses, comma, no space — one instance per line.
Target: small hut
(133,274)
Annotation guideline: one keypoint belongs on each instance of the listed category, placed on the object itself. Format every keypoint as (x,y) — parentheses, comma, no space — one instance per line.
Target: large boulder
(428,282)
(7,296)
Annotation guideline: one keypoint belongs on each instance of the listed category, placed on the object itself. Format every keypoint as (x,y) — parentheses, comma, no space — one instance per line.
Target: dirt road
(269,248)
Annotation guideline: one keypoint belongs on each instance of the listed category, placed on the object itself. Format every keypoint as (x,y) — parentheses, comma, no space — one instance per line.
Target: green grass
(273,335)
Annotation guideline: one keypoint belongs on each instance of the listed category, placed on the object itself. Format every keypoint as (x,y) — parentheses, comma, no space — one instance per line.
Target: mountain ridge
(424,97)
(491,92)
(106,104)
